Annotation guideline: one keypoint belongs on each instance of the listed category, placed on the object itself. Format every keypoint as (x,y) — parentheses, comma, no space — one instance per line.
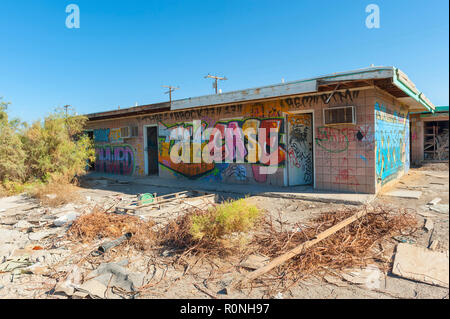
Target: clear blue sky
(125,50)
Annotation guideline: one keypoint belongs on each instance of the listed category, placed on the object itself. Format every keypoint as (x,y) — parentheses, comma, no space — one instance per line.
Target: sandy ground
(25,225)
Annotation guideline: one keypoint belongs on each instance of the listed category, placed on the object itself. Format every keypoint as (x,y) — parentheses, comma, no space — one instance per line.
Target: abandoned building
(429,136)
(346,132)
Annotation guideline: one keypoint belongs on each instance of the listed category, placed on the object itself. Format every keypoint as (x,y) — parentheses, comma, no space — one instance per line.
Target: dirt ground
(28,235)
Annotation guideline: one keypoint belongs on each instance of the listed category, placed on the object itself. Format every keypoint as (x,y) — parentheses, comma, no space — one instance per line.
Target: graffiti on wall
(311,100)
(300,149)
(337,140)
(266,151)
(392,142)
(101,135)
(114,159)
(108,135)
(140,162)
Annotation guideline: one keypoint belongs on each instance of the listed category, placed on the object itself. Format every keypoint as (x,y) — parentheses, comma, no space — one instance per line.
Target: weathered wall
(418,121)
(392,138)
(114,154)
(345,153)
(416,139)
(344,158)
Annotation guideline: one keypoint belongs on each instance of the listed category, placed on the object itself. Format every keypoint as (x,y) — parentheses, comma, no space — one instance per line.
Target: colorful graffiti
(233,145)
(101,135)
(114,159)
(392,142)
(115,135)
(140,162)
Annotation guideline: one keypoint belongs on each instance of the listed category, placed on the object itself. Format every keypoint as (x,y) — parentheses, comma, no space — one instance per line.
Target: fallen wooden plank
(297,250)
(421,264)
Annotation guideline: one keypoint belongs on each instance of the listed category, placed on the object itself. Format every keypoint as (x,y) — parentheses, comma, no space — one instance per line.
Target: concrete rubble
(37,259)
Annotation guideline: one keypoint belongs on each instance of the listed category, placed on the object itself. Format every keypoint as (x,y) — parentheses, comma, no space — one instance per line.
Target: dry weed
(99,224)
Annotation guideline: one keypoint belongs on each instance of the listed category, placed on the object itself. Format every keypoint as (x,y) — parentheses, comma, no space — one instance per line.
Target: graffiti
(300,147)
(363,158)
(331,139)
(239,172)
(187,115)
(114,159)
(115,135)
(392,142)
(101,135)
(140,162)
(235,143)
(346,177)
(337,140)
(309,101)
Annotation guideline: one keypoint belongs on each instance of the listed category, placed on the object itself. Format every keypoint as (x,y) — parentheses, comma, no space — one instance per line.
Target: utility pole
(216,78)
(66,107)
(171,89)
(67,124)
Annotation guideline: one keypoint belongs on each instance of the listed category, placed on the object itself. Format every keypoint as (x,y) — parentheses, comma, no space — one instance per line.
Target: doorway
(300,149)
(151,150)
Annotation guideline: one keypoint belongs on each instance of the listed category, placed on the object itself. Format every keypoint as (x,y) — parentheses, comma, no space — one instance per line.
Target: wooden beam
(297,250)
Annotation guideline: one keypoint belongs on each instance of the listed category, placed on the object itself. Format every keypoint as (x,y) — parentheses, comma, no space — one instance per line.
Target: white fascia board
(247,95)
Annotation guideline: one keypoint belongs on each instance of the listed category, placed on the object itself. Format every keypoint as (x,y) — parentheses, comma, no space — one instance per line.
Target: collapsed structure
(346,132)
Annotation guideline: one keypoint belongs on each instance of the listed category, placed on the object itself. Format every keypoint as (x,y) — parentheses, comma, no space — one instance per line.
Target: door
(152,150)
(300,149)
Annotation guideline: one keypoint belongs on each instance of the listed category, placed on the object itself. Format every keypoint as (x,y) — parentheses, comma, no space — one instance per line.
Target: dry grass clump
(208,230)
(56,193)
(350,247)
(99,225)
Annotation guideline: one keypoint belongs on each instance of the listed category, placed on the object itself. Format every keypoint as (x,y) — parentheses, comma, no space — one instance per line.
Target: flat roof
(389,78)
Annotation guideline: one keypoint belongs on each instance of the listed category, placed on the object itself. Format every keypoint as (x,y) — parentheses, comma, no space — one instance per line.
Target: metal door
(300,149)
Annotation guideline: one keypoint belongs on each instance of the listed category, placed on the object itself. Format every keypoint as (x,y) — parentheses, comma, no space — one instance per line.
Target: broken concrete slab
(404,194)
(65,219)
(421,264)
(370,276)
(23,224)
(100,281)
(429,225)
(334,280)
(434,201)
(12,236)
(434,245)
(37,236)
(440,208)
(254,261)
(426,212)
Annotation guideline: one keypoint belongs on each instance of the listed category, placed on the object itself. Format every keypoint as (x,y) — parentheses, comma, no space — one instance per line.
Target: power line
(171,89)
(216,79)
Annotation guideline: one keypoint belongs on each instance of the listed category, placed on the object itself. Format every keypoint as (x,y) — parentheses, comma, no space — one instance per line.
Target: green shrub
(53,150)
(56,148)
(12,155)
(225,219)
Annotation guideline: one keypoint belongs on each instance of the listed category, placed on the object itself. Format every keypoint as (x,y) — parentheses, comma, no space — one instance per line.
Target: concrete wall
(344,157)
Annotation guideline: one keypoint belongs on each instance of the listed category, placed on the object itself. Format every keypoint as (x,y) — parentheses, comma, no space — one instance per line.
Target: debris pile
(355,245)
(100,224)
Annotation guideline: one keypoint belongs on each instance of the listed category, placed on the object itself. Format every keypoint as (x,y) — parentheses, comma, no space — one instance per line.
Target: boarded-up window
(339,115)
